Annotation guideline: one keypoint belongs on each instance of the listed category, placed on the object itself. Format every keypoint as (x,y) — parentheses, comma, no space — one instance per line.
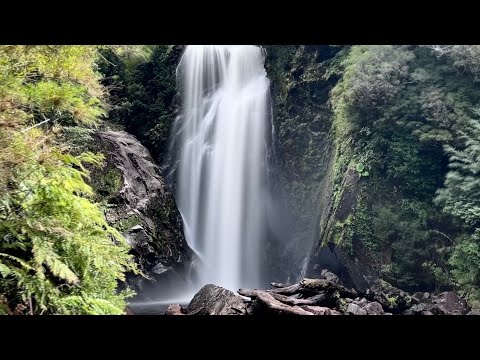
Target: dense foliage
(57,253)
(143,90)
(408,115)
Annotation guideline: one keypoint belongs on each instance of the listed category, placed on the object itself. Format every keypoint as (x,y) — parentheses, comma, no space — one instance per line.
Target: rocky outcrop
(446,303)
(215,300)
(391,298)
(321,297)
(331,259)
(449,303)
(139,203)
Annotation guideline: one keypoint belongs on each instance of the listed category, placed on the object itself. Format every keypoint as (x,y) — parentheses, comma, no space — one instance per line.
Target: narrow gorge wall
(392,113)
(302,78)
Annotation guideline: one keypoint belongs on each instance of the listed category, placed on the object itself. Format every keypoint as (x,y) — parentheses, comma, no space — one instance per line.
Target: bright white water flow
(222,160)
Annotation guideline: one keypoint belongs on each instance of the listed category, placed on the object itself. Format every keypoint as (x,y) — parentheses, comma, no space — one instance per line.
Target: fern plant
(58,255)
(57,246)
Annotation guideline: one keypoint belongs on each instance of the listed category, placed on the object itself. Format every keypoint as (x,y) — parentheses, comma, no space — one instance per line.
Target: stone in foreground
(215,300)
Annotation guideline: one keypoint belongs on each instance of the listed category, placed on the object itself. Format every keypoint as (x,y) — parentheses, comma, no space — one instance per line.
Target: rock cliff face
(139,203)
(320,195)
(304,156)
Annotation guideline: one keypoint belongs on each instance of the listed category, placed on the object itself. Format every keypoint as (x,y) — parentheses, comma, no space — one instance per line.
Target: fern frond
(24,264)
(4,270)
(44,253)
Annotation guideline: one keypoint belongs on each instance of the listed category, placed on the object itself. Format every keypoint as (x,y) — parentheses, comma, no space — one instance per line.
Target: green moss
(408,300)
(107,183)
(342,234)
(342,305)
(392,301)
(113,180)
(128,223)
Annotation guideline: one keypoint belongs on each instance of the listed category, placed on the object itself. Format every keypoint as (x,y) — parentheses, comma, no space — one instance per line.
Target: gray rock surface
(215,300)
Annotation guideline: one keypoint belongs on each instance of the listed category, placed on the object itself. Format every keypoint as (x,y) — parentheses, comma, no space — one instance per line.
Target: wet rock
(129,311)
(215,300)
(418,296)
(330,276)
(142,207)
(351,272)
(418,308)
(362,302)
(391,298)
(355,309)
(446,303)
(373,308)
(160,269)
(175,309)
(449,303)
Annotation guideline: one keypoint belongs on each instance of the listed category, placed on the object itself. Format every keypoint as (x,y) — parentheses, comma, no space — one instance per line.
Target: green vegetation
(407,117)
(143,86)
(58,255)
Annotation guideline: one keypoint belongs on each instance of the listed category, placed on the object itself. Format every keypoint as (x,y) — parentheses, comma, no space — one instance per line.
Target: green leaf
(4,270)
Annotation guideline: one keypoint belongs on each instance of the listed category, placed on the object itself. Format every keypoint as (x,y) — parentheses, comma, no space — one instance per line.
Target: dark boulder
(175,309)
(373,308)
(330,276)
(351,273)
(141,206)
(449,303)
(391,298)
(215,300)
(354,309)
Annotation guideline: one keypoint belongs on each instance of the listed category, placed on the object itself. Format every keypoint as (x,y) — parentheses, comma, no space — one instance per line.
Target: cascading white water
(222,168)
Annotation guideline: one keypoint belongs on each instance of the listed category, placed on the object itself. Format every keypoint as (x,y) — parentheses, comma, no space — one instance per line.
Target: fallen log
(289,290)
(320,310)
(295,296)
(282,298)
(248,293)
(292,301)
(277,307)
(319,300)
(326,285)
(278,285)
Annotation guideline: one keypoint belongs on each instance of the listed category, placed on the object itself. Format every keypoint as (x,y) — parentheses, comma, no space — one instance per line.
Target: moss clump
(128,223)
(112,181)
(342,305)
(392,301)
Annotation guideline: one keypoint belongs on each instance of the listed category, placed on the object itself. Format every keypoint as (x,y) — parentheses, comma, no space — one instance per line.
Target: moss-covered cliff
(363,136)
(137,202)
(302,78)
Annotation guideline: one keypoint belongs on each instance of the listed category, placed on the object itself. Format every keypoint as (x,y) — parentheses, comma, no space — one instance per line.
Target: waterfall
(221,161)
